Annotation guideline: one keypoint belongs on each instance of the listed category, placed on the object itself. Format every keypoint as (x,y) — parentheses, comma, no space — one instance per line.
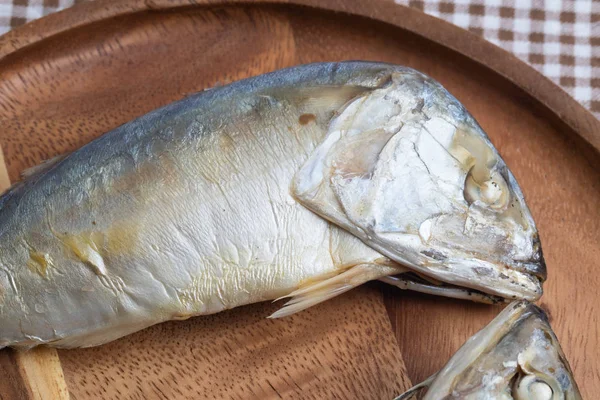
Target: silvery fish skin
(517,356)
(205,205)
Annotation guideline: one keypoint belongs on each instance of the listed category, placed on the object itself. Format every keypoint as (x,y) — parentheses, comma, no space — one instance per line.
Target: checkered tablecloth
(560,38)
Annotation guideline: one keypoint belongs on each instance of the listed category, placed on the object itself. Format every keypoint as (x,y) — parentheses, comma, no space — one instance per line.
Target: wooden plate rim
(532,82)
(502,63)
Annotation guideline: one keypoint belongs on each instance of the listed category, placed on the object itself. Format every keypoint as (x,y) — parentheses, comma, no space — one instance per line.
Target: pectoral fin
(319,291)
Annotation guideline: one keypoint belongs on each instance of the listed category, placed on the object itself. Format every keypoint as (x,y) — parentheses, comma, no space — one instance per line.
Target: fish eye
(491,191)
(532,387)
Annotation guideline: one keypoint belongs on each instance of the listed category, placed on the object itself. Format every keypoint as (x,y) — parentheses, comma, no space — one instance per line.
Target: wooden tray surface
(68,78)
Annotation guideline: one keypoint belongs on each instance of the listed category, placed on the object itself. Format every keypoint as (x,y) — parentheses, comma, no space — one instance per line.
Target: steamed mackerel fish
(516,356)
(301,183)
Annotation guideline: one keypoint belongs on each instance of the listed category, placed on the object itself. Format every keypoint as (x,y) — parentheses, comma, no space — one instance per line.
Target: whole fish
(516,356)
(301,183)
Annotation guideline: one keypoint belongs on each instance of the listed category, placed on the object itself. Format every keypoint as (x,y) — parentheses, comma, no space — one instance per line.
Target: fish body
(221,200)
(516,356)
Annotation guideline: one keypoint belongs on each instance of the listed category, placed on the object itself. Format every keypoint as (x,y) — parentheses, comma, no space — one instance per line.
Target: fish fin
(331,286)
(44,166)
(410,393)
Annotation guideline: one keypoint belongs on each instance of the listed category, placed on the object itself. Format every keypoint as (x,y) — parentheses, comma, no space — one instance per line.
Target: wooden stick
(4,180)
(39,368)
(42,374)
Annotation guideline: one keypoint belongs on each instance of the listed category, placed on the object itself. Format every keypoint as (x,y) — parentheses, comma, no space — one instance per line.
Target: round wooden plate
(70,77)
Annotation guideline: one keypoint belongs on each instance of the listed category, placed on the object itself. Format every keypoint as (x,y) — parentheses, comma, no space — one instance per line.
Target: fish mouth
(473,278)
(511,281)
(416,282)
(537,265)
(536,269)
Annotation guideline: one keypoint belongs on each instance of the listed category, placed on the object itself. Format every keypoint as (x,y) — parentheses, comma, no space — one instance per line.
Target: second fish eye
(532,387)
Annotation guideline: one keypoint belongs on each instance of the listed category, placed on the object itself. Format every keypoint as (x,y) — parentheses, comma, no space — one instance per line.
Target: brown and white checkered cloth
(17,12)
(560,38)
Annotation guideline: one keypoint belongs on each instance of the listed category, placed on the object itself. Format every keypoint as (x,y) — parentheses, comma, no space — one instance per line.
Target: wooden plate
(68,78)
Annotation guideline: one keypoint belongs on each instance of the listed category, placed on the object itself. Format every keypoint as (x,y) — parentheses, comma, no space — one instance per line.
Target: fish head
(516,356)
(409,171)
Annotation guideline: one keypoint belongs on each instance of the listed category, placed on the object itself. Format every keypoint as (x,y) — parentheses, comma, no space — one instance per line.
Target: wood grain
(70,87)
(340,349)
(474,47)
